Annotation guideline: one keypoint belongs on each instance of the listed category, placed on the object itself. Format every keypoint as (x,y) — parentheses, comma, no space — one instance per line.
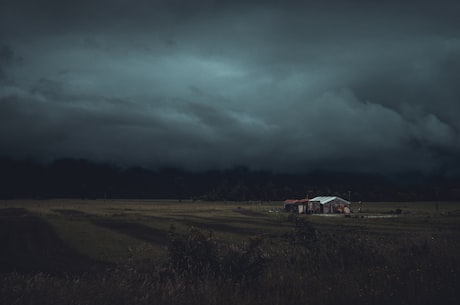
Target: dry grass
(252,257)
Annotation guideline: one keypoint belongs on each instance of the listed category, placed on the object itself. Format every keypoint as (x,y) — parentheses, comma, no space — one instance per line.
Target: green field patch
(225,228)
(30,244)
(235,228)
(137,230)
(14,212)
(95,241)
(71,213)
(247,212)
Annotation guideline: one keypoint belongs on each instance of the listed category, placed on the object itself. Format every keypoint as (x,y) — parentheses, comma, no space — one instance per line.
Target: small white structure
(332,204)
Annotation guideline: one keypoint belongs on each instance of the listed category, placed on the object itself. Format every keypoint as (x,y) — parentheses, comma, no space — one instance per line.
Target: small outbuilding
(296,205)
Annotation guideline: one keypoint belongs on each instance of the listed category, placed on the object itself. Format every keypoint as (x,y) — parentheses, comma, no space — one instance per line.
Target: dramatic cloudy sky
(279,85)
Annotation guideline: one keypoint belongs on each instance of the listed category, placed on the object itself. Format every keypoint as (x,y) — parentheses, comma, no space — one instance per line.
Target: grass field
(170,252)
(106,230)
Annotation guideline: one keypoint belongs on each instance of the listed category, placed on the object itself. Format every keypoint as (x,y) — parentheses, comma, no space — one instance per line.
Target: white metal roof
(326,199)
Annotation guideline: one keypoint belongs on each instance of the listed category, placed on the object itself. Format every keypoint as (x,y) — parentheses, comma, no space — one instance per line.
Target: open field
(106,230)
(170,252)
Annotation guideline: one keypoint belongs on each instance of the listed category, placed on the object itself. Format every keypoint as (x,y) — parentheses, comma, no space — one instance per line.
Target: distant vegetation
(78,178)
(225,253)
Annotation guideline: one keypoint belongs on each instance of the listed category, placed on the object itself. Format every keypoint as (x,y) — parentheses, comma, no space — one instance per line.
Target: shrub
(194,254)
(244,263)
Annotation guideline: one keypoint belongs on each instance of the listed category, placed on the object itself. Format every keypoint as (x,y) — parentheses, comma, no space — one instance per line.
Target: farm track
(135,230)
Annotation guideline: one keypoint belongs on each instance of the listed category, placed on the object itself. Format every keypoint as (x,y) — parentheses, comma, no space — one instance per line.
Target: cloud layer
(288,87)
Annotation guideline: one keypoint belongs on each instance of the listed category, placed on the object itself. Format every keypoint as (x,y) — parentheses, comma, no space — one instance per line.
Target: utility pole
(436,190)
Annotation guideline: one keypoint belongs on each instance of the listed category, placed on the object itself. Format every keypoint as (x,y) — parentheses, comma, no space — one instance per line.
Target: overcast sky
(277,85)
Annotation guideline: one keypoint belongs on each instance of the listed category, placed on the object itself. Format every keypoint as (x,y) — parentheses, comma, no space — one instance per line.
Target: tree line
(80,178)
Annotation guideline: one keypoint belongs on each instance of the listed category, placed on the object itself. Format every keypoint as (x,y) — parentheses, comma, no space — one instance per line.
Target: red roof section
(296,201)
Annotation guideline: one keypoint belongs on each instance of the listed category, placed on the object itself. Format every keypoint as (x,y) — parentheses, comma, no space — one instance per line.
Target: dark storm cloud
(284,85)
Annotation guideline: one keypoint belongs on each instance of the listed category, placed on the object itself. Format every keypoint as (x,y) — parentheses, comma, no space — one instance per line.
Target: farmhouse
(320,204)
(332,204)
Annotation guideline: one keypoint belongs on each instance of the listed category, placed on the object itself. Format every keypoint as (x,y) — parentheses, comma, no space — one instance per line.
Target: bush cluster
(196,255)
